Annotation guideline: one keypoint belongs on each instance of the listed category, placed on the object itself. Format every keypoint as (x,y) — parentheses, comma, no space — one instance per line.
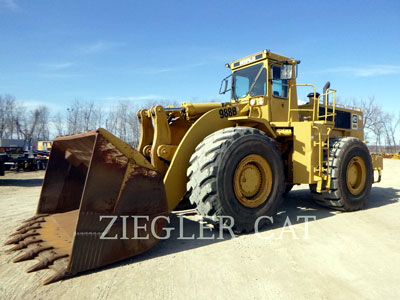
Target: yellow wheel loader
(234,159)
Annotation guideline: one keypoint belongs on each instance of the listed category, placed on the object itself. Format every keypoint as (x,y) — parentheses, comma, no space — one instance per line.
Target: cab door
(279,94)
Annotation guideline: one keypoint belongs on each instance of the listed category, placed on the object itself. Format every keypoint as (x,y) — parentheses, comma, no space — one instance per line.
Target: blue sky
(55,51)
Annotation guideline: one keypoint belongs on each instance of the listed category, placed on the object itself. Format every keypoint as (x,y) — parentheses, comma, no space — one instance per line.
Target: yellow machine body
(95,173)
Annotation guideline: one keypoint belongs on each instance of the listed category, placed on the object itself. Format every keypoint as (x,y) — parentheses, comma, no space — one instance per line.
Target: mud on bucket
(91,180)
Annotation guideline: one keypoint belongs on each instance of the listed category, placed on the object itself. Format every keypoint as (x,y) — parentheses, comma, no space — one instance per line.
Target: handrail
(316,104)
(328,151)
(348,106)
(303,109)
(326,103)
(319,151)
(321,154)
(322,173)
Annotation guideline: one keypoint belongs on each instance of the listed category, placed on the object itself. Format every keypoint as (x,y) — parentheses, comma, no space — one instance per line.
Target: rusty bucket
(101,202)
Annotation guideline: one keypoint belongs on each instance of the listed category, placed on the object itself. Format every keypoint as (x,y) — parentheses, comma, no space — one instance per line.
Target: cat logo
(354,121)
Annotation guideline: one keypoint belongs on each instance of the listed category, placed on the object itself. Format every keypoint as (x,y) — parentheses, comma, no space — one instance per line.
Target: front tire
(237,172)
(351,175)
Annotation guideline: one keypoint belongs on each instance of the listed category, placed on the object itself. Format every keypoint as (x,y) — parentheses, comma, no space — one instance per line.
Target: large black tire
(211,176)
(339,197)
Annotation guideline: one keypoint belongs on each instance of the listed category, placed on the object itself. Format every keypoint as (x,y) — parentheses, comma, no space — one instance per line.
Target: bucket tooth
(44,262)
(19,237)
(23,244)
(26,229)
(15,248)
(35,217)
(57,276)
(40,265)
(28,224)
(14,240)
(88,176)
(31,253)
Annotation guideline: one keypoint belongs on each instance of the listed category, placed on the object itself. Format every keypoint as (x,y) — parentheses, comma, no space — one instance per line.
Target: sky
(52,52)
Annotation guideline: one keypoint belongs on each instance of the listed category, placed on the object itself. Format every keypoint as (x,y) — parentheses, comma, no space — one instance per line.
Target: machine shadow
(296,204)
(300,203)
(21,182)
(382,196)
(176,243)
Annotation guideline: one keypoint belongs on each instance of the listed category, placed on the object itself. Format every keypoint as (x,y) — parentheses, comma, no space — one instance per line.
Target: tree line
(380,126)
(18,121)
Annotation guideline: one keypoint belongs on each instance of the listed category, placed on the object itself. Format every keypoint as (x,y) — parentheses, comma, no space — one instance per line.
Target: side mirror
(286,71)
(224,85)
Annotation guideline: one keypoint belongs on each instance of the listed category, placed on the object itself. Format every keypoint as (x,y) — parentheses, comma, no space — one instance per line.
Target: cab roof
(262,55)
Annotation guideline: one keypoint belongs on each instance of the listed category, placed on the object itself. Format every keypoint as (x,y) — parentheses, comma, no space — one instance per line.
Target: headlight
(260,101)
(252,101)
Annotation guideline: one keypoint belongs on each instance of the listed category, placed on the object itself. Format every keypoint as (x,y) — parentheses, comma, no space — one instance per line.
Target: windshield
(243,81)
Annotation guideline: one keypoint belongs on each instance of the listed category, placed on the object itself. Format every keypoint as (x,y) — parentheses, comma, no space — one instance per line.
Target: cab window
(280,87)
(260,87)
(251,81)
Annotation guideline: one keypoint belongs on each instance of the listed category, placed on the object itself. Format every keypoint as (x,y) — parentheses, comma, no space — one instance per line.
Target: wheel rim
(356,175)
(252,181)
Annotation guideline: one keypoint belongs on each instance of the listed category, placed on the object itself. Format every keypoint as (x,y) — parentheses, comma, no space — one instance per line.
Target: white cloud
(133,98)
(301,102)
(34,103)
(144,101)
(153,70)
(54,75)
(96,47)
(366,71)
(57,66)
(9,4)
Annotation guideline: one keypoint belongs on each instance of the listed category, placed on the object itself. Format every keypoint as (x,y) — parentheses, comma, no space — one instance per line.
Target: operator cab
(263,79)
(264,74)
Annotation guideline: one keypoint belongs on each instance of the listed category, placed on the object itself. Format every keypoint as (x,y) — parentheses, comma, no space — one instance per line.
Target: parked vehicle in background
(16,155)
(44,146)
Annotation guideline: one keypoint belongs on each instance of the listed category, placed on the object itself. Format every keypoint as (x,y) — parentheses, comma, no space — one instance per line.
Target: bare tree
(122,117)
(59,124)
(42,128)
(390,124)
(16,121)
(373,116)
(379,126)
(7,112)
(74,120)
(27,124)
(3,116)
(134,127)
(111,120)
(87,112)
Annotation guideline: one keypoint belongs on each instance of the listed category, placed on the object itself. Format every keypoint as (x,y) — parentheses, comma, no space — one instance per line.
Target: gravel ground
(346,255)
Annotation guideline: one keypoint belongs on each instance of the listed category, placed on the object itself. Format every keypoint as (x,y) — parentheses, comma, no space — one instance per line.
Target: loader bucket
(92,179)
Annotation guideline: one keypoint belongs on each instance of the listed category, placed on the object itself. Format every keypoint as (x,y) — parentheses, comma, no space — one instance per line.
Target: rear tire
(351,176)
(216,187)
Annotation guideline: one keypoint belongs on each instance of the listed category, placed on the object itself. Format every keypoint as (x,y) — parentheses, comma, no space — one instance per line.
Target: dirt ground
(346,255)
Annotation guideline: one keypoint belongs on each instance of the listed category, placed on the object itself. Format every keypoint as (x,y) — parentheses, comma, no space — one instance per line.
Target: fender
(175,179)
(262,124)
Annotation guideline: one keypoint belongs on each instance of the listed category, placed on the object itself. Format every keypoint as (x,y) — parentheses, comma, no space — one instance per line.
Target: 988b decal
(227,112)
